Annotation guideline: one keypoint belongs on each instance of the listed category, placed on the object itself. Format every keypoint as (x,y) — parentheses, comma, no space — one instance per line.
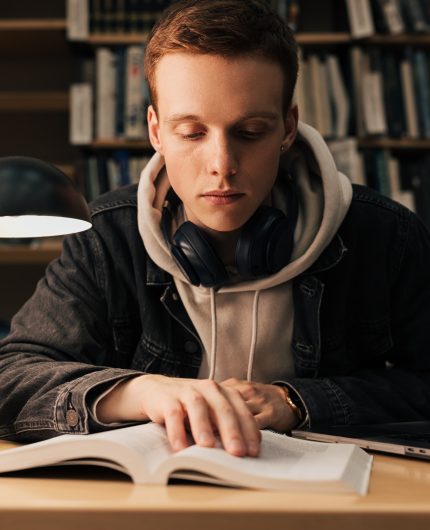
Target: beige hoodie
(246,328)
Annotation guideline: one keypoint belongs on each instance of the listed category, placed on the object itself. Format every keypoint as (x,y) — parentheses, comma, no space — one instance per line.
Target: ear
(154,130)
(291,121)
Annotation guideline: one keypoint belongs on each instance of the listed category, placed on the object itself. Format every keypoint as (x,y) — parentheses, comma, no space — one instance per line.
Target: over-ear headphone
(264,246)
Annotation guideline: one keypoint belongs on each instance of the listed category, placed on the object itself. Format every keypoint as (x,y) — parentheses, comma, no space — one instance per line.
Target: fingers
(207,407)
(230,416)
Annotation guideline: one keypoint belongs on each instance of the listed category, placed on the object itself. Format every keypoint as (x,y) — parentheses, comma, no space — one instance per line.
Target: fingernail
(178,445)
(236,446)
(205,438)
(253,448)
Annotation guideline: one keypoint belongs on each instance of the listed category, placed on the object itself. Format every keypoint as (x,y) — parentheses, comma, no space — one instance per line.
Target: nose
(222,157)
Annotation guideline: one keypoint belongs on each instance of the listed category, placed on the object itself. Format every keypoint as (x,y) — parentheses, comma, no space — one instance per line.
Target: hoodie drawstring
(213,337)
(254,335)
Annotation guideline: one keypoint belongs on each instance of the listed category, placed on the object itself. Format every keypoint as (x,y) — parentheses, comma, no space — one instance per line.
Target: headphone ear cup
(265,244)
(196,257)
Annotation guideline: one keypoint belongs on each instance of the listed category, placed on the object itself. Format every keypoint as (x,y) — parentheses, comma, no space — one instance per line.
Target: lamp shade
(37,199)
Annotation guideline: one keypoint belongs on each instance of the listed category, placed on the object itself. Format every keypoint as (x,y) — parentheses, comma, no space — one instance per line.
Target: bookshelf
(38,65)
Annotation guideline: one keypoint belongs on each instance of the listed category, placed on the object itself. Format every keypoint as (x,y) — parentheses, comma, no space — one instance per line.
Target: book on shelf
(134,107)
(414,16)
(348,159)
(339,100)
(360,18)
(387,16)
(104,172)
(105,104)
(409,99)
(81,114)
(372,94)
(78,20)
(422,90)
(321,95)
(393,95)
(143,453)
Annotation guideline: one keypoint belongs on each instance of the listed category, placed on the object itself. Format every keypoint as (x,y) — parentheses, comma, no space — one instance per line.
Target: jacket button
(175,297)
(72,418)
(190,346)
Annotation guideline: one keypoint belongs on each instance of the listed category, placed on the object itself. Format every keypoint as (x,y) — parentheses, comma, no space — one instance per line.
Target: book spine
(410,104)
(372,95)
(121,158)
(392,14)
(422,88)
(316,91)
(134,103)
(106,96)
(78,23)
(81,115)
(120,91)
(393,96)
(339,97)
(358,71)
(414,16)
(120,16)
(96,16)
(360,18)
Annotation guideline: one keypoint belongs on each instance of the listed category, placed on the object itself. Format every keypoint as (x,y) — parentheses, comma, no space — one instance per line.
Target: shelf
(117,38)
(393,143)
(404,40)
(26,255)
(34,101)
(323,38)
(49,24)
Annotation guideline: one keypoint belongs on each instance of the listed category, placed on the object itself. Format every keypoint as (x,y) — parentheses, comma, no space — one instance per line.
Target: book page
(284,463)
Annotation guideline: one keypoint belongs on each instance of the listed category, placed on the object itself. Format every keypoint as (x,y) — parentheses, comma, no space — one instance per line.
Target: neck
(224,244)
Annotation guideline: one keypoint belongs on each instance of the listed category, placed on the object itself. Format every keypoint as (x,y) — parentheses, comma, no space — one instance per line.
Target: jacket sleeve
(400,391)
(56,352)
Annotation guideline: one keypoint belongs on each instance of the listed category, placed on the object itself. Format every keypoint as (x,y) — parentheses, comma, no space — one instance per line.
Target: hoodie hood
(324,198)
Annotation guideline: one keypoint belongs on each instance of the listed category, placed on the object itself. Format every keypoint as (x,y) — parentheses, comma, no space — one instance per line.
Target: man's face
(220,126)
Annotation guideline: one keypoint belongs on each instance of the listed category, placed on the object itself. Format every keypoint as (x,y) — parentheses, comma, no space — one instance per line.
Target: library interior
(73,93)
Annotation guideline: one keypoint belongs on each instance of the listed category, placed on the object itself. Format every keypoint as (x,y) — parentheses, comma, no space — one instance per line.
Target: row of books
(105,172)
(391,91)
(321,95)
(377,92)
(86,17)
(395,17)
(362,17)
(111,102)
(404,179)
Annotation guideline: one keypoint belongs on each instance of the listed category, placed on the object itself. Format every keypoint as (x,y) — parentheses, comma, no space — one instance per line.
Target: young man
(244,285)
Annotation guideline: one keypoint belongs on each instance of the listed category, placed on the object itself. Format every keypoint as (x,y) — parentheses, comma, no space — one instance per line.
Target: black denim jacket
(105,311)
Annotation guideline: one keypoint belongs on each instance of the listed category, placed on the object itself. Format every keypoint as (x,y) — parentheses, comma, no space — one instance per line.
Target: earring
(282,148)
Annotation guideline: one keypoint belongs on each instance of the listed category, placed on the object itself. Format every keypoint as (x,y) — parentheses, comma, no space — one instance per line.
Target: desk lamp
(38,200)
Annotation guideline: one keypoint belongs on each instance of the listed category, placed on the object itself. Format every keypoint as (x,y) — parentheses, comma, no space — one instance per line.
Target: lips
(222,197)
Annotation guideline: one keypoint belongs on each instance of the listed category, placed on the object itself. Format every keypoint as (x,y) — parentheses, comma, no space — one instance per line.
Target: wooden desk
(398,499)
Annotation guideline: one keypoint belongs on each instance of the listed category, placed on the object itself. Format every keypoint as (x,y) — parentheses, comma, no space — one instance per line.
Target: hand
(205,407)
(266,403)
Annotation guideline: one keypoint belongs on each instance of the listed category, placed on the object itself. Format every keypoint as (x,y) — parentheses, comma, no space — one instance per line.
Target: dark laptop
(405,439)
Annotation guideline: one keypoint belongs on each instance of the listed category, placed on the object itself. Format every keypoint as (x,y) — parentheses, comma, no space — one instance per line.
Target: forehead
(190,82)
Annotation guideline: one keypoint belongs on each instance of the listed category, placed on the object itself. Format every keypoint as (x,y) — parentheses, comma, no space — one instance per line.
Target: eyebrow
(175,118)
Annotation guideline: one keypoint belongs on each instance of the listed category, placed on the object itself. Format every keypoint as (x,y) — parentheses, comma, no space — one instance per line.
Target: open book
(143,453)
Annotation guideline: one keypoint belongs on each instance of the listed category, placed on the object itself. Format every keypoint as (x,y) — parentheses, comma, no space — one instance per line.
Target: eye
(250,135)
(192,136)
